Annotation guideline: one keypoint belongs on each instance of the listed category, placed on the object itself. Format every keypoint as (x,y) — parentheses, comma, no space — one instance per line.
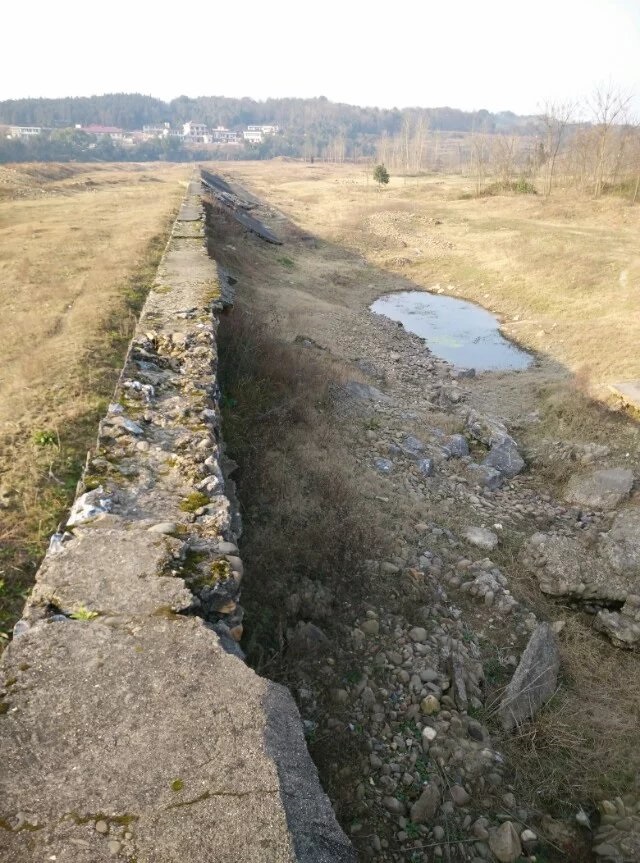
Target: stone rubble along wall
(130,727)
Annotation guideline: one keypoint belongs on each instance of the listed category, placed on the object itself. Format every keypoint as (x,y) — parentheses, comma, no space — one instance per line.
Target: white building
(161,131)
(195,132)
(265,130)
(221,135)
(24,131)
(254,136)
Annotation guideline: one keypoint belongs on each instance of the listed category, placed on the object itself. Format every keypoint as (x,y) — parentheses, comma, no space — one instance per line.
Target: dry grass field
(78,248)
(562,273)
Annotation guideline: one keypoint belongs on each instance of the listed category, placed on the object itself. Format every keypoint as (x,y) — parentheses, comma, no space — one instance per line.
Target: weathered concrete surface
(130,733)
(150,726)
(534,681)
(111,572)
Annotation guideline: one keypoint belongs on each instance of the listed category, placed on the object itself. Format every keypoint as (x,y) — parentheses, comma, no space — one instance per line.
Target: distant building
(106,132)
(161,131)
(254,136)
(195,132)
(221,135)
(24,131)
(265,130)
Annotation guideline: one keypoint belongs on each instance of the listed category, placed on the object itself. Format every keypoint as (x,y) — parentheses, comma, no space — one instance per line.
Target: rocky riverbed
(450,653)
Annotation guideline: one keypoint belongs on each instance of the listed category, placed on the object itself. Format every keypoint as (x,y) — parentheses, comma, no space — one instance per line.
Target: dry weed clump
(582,746)
(304,518)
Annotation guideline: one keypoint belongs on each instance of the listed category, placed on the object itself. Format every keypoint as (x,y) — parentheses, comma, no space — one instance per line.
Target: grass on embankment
(79,246)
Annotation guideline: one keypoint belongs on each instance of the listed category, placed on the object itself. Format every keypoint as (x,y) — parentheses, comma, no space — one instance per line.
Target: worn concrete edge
(150,553)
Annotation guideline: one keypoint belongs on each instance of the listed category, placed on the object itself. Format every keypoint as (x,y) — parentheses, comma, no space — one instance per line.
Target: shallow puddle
(455,330)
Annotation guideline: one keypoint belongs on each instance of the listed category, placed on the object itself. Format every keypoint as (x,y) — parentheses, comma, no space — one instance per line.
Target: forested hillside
(132,111)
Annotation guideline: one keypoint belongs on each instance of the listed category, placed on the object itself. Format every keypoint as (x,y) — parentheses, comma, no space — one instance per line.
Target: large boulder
(455,446)
(364,392)
(503,456)
(607,573)
(600,489)
(535,678)
(566,566)
(487,430)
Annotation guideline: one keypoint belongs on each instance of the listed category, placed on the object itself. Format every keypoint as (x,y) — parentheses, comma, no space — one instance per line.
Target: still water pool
(462,333)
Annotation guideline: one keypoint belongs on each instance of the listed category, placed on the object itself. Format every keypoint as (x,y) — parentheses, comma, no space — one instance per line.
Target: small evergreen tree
(381,175)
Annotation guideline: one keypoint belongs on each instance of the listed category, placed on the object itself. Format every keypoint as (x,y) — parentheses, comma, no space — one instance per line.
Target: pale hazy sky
(494,54)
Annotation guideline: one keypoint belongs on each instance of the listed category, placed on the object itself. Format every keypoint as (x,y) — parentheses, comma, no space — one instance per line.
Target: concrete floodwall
(130,727)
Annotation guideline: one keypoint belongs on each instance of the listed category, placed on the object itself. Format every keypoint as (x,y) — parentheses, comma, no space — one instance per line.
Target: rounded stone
(370,627)
(393,805)
(164,527)
(505,843)
(430,705)
(428,736)
(459,796)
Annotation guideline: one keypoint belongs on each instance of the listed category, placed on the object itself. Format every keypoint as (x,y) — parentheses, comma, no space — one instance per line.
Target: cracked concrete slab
(157,732)
(112,572)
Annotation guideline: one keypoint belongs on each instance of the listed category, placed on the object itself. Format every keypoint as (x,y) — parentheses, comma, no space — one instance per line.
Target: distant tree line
(312,128)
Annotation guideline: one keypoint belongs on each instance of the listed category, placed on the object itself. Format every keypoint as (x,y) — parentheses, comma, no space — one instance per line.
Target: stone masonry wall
(130,727)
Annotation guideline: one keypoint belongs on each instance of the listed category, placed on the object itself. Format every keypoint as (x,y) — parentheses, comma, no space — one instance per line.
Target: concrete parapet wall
(130,727)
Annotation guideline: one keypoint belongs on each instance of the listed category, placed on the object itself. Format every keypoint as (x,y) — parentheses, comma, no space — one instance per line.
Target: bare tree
(608,105)
(480,153)
(504,152)
(383,149)
(556,118)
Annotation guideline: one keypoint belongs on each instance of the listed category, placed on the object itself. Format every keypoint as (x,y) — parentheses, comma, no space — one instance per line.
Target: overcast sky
(469,54)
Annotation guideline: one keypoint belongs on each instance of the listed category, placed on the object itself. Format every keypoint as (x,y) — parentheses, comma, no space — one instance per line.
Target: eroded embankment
(130,727)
